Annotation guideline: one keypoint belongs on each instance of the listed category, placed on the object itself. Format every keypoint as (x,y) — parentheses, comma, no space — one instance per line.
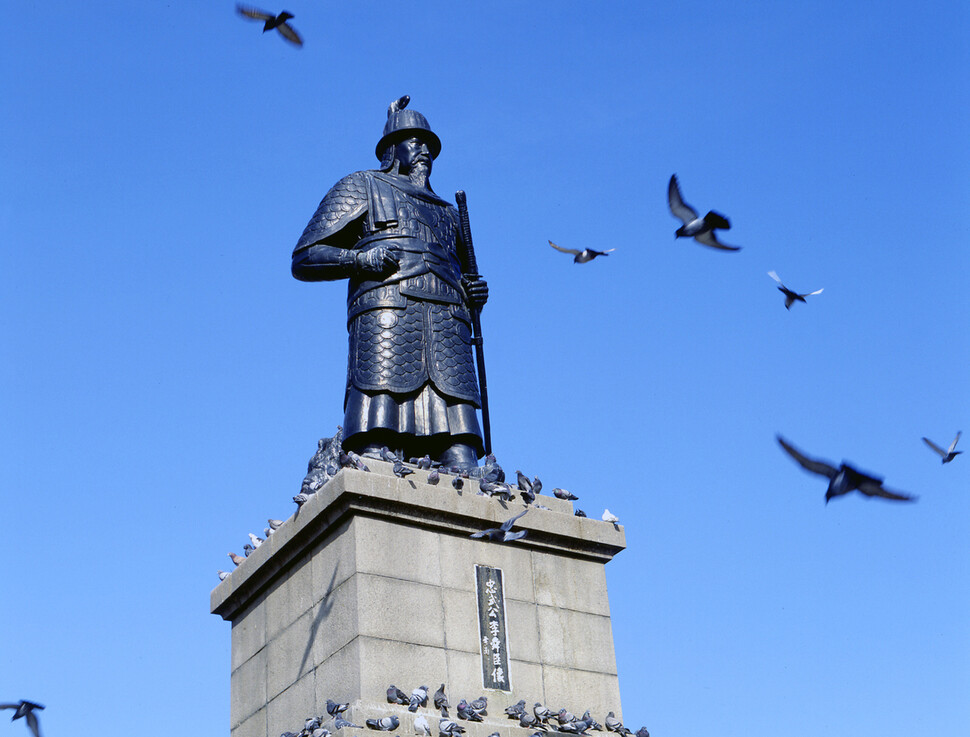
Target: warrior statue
(411,380)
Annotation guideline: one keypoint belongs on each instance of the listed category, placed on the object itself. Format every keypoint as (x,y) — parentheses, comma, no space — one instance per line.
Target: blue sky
(165,379)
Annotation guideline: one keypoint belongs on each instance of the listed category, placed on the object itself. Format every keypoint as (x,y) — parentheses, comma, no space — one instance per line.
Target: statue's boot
(459,456)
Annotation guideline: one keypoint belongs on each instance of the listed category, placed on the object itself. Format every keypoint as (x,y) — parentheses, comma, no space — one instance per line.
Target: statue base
(373,582)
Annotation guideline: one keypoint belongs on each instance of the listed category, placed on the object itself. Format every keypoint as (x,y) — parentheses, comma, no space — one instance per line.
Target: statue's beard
(419,173)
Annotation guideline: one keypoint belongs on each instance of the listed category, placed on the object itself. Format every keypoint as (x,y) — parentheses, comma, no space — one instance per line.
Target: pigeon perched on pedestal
(441,701)
(421,726)
(333,708)
(563,494)
(397,696)
(384,724)
(419,697)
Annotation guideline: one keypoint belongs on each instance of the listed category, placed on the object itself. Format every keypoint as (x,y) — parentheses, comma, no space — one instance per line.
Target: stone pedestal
(373,583)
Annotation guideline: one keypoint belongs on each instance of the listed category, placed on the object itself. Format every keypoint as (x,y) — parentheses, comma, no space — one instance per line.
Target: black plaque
(492,629)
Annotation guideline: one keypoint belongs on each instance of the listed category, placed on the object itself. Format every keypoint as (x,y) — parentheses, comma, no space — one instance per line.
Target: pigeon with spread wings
(502,534)
(279,22)
(581,257)
(946,455)
(701,229)
(790,296)
(844,478)
(25,709)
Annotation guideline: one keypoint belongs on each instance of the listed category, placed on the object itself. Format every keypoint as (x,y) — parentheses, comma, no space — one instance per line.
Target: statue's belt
(426,271)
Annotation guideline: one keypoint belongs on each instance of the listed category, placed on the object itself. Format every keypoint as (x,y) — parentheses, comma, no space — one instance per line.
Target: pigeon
(223,575)
(400,470)
(441,701)
(320,732)
(575,727)
(579,513)
(527,720)
(423,463)
(419,697)
(563,494)
(790,296)
(536,485)
(700,229)
(339,723)
(275,524)
(333,708)
(541,713)
(397,696)
(522,481)
(466,712)
(388,455)
(458,482)
(491,471)
(311,724)
(946,455)
(25,709)
(237,559)
(541,506)
(843,479)
(608,516)
(301,499)
(247,549)
(480,705)
(564,717)
(256,541)
(279,22)
(592,723)
(434,477)
(384,724)
(516,709)
(581,257)
(642,732)
(449,728)
(615,725)
(421,726)
(502,534)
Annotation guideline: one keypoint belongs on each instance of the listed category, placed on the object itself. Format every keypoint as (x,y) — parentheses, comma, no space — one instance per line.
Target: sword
(471,270)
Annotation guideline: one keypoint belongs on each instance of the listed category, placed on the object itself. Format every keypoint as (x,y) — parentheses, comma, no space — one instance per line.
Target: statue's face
(413,153)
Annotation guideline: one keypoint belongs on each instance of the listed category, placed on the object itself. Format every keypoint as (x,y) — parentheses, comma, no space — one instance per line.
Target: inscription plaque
(492,629)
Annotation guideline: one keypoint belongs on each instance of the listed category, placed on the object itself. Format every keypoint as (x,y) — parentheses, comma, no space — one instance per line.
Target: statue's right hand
(378,260)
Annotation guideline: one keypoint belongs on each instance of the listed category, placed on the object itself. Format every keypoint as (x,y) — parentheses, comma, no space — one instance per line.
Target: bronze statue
(412,296)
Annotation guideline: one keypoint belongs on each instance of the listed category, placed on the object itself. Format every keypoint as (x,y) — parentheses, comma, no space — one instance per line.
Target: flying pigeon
(502,534)
(25,709)
(581,257)
(700,229)
(384,724)
(441,701)
(279,22)
(563,494)
(333,708)
(843,479)
(947,455)
(790,296)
